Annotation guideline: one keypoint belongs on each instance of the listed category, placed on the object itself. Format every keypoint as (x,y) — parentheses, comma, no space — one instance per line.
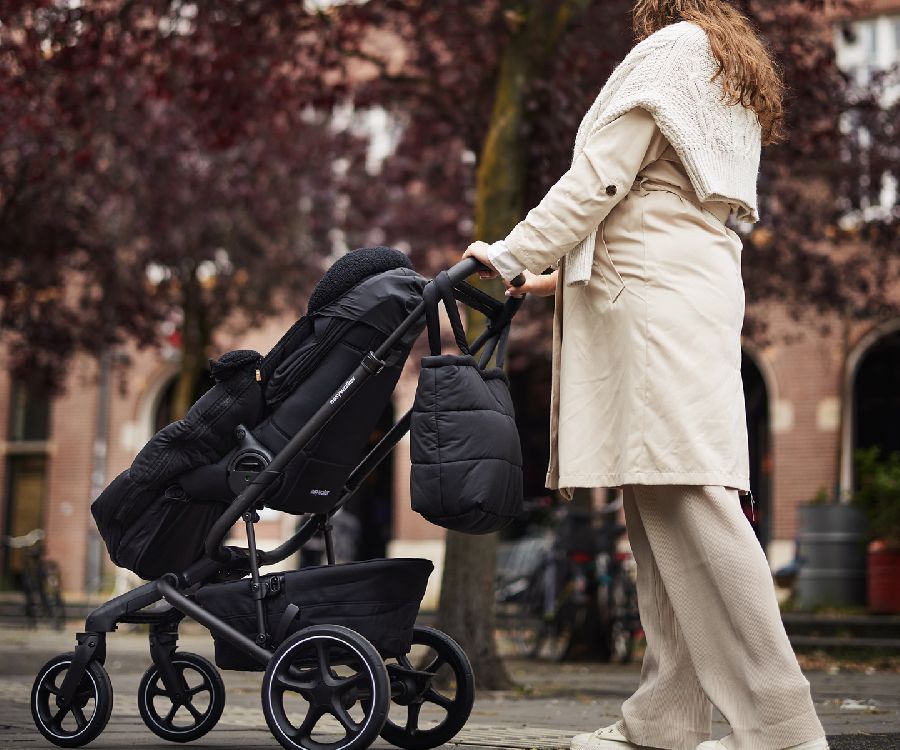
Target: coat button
(611,189)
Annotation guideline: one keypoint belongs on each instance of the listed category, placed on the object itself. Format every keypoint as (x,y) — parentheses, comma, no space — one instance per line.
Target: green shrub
(878,493)
(822,497)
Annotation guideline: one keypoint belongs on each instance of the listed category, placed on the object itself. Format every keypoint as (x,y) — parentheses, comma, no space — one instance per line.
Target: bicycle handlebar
(26,540)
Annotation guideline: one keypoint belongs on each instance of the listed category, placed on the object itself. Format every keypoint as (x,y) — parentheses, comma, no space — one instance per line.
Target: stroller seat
(155,516)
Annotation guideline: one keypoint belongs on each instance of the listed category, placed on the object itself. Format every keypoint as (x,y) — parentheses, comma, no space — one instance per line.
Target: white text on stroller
(341,390)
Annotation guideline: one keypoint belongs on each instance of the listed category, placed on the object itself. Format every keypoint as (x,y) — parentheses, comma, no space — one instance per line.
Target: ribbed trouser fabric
(713,627)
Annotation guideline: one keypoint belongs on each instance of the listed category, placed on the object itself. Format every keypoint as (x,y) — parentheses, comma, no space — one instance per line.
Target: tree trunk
(195,340)
(466,608)
(841,494)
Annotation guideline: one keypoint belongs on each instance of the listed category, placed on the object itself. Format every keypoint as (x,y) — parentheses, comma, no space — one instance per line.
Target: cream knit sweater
(668,74)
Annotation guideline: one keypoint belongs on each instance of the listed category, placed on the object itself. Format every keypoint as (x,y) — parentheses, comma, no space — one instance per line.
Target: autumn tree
(161,161)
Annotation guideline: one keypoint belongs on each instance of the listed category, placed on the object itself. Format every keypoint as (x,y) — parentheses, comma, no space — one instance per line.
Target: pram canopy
(155,516)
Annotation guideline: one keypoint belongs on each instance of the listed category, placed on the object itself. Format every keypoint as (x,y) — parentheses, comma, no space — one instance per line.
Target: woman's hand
(543,285)
(479,251)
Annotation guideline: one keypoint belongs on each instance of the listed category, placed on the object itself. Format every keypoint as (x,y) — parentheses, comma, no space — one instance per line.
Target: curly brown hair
(750,76)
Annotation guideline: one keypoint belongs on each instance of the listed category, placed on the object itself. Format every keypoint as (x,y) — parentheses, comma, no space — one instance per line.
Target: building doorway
(756,401)
(876,397)
(27,462)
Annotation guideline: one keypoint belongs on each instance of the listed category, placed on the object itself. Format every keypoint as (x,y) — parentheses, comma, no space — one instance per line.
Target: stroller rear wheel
(441,677)
(87,715)
(191,712)
(326,688)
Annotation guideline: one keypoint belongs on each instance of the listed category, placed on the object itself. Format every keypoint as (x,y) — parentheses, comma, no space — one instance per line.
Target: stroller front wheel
(88,713)
(191,712)
(326,688)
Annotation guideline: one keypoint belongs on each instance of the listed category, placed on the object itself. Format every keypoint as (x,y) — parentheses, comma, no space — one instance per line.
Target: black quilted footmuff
(379,599)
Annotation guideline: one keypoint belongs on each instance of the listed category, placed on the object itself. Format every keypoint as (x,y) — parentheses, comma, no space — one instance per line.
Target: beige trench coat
(646,383)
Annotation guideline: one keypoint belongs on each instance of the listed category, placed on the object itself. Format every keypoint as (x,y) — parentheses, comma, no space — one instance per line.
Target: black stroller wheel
(326,688)
(451,688)
(89,712)
(185,717)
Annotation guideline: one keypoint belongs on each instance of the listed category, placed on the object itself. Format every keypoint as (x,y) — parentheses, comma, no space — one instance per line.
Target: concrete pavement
(859,711)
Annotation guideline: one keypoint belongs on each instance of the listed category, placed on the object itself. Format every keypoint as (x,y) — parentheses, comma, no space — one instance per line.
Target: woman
(647,393)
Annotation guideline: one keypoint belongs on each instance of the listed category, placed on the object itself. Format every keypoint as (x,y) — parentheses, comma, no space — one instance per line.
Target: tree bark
(195,340)
(466,608)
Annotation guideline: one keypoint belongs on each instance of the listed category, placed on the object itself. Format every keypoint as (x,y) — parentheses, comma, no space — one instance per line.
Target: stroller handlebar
(467,266)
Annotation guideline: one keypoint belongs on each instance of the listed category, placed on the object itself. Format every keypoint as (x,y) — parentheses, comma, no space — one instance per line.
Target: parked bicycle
(569,589)
(39,580)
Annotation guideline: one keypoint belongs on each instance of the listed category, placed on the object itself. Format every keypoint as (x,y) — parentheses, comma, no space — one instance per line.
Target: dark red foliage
(147,148)
(443,91)
(177,136)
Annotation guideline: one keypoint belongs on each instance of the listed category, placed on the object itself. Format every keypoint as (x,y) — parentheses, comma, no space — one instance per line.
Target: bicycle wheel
(51,595)
(559,631)
(621,634)
(89,712)
(31,590)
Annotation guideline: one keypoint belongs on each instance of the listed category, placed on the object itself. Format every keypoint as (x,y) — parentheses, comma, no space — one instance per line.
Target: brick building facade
(806,409)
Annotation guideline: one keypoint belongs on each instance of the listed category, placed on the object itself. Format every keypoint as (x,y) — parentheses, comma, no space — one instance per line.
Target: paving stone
(859,711)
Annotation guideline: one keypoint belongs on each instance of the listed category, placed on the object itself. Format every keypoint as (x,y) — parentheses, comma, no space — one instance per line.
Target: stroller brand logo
(320,492)
(341,390)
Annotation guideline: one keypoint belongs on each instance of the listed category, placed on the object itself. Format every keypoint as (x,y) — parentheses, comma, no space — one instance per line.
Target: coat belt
(718,209)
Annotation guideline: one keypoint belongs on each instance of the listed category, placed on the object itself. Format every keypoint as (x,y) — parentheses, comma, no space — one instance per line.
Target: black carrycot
(155,516)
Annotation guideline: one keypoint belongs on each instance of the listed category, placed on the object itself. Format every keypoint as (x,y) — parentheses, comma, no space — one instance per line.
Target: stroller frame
(222,562)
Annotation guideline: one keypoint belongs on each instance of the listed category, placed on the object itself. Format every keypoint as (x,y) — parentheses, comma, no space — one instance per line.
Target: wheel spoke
(304,675)
(155,690)
(433,696)
(435,664)
(198,717)
(171,715)
(412,718)
(205,687)
(322,660)
(342,715)
(56,721)
(79,716)
(284,682)
(54,684)
(309,722)
(343,685)
(182,668)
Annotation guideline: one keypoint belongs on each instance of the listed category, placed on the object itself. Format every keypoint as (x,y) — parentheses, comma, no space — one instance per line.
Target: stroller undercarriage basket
(379,599)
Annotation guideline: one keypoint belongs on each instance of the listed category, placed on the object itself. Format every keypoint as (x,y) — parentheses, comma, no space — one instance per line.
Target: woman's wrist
(504,261)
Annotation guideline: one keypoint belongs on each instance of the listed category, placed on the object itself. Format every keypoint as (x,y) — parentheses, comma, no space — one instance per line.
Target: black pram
(287,431)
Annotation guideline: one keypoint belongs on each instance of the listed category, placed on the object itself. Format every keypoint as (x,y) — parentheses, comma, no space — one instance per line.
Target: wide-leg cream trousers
(713,627)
